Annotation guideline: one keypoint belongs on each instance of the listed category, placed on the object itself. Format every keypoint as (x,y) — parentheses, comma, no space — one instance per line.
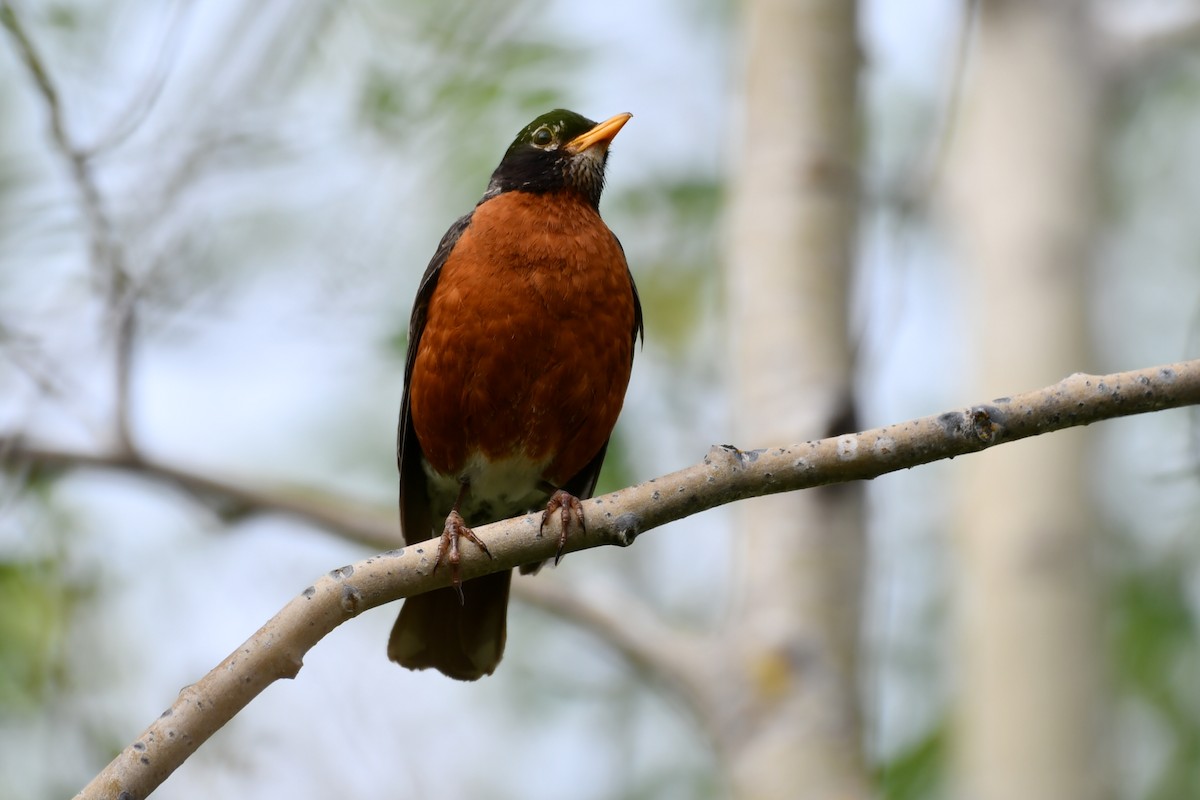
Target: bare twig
(233,498)
(23,351)
(107,254)
(666,654)
(918,184)
(142,102)
(105,251)
(725,475)
(125,318)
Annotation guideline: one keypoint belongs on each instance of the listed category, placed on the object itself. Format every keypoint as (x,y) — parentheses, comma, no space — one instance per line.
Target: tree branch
(726,474)
(676,658)
(231,498)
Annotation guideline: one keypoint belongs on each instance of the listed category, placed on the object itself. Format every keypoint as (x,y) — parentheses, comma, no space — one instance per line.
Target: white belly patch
(497,489)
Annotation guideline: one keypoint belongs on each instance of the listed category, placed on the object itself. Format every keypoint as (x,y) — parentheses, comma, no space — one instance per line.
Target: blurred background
(213,218)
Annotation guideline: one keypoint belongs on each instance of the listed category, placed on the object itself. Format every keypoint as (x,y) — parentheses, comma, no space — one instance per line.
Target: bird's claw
(448,553)
(568,507)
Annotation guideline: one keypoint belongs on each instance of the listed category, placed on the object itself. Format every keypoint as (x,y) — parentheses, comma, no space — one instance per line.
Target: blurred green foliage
(1156,657)
(33,610)
(918,771)
(675,255)
(36,596)
(456,80)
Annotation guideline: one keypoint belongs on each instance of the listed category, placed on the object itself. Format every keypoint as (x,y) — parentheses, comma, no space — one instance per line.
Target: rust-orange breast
(528,343)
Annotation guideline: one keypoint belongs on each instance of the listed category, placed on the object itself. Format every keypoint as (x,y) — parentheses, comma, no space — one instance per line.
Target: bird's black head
(558,150)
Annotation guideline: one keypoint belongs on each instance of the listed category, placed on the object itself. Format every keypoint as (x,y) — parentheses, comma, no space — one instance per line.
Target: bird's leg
(568,507)
(455,528)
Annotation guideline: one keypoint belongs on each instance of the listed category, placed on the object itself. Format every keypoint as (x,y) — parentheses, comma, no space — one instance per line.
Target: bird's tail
(463,639)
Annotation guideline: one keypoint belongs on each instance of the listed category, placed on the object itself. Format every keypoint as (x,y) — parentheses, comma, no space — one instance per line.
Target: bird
(520,350)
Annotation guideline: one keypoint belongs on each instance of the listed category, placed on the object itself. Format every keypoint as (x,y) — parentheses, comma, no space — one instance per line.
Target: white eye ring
(542,137)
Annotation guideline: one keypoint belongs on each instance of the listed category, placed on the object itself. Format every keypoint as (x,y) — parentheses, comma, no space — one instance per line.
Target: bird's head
(558,150)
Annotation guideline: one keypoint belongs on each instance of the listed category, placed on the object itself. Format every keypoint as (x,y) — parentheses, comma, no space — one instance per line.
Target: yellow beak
(601,134)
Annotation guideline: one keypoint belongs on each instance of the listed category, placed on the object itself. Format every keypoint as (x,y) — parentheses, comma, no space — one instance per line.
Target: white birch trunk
(794,630)
(1022,185)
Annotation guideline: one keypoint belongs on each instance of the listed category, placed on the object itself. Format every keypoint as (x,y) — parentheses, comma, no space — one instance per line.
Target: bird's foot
(568,507)
(448,553)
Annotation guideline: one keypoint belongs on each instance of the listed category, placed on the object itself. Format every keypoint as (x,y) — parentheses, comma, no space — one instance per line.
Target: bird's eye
(542,137)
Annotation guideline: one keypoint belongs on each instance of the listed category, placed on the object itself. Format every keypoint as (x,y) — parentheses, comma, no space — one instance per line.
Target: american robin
(519,352)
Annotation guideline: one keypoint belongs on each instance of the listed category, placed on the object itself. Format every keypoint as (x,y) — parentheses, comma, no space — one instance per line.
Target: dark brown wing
(463,637)
(416,522)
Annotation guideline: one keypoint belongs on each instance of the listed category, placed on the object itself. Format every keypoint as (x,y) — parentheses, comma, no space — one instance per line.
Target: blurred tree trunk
(1022,186)
(793,641)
